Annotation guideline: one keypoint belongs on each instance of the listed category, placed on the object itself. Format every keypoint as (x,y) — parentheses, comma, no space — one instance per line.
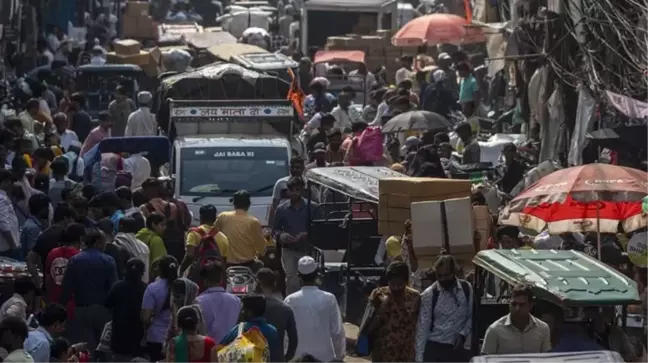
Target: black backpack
(465,286)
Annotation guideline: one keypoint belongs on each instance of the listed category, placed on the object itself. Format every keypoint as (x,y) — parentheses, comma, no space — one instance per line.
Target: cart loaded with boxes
(346,220)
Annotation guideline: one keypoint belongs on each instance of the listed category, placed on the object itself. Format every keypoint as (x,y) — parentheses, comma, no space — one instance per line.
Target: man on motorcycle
(244,232)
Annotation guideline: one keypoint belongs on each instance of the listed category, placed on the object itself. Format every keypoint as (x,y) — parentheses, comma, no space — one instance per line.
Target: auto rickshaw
(346,220)
(349,60)
(156,149)
(570,280)
(99,82)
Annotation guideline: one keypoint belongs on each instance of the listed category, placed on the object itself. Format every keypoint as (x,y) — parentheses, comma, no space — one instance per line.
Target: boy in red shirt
(57,261)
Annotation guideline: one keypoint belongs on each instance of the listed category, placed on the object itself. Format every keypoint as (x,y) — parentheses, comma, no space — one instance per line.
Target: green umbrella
(644,205)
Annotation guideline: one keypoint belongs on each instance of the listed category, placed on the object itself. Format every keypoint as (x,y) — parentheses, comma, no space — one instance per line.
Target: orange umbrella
(438,29)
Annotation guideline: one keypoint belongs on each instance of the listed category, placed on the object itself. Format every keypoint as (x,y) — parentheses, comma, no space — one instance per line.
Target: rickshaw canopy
(156,148)
(601,356)
(565,278)
(357,182)
(339,56)
(107,68)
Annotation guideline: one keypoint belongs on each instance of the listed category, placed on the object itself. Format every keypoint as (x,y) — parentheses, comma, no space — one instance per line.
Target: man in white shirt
(405,72)
(66,135)
(142,122)
(518,332)
(139,167)
(24,289)
(344,114)
(318,317)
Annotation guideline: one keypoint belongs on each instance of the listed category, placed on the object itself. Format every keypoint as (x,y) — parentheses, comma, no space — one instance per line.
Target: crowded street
(323,181)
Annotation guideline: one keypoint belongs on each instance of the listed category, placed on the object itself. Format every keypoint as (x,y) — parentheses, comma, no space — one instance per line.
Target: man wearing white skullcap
(317,315)
(142,122)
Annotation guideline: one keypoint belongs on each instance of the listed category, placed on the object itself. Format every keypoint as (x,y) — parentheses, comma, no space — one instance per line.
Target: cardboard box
(127,46)
(141,59)
(146,27)
(428,227)
(424,187)
(129,27)
(483,223)
(137,8)
(397,195)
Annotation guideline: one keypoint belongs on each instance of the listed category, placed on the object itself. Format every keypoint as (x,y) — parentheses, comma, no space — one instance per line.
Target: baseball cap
(306,265)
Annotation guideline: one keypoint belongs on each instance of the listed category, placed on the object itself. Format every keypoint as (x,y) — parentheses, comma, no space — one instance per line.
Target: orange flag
(468,11)
(296,95)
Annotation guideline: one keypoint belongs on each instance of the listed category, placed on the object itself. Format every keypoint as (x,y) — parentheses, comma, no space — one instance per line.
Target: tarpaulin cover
(219,81)
(358,182)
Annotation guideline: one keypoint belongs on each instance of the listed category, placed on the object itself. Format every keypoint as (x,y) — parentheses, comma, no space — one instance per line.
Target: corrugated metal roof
(563,277)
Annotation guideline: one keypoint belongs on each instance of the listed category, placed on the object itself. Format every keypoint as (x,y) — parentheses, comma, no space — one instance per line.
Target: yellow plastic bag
(249,346)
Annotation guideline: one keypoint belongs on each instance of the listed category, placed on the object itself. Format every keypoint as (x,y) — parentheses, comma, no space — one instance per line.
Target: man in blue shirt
(39,341)
(254,307)
(89,277)
(39,205)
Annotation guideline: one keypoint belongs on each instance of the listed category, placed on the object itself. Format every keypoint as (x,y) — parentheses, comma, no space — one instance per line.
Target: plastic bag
(249,346)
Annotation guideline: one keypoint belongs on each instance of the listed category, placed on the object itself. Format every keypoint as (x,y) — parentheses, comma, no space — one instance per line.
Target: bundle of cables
(613,49)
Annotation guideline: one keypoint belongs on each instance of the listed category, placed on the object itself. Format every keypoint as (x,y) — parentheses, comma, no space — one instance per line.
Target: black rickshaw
(346,219)
(99,82)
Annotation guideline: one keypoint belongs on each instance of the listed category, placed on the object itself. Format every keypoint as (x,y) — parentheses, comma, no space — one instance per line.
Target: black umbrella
(623,137)
(416,121)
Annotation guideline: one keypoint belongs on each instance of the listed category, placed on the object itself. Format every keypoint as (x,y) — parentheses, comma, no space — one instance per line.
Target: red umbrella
(571,200)
(436,29)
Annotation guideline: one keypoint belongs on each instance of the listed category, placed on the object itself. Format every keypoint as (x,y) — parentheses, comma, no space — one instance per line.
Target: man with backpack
(204,243)
(445,317)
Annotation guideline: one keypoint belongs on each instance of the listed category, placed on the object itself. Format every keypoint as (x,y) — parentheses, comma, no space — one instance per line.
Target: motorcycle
(240,280)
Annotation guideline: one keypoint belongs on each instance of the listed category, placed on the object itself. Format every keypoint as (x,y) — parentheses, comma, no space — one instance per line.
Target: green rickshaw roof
(562,277)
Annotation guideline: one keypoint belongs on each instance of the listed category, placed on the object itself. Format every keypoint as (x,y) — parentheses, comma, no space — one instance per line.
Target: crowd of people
(116,271)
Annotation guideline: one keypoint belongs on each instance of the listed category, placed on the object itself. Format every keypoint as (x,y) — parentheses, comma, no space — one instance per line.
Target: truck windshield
(221,171)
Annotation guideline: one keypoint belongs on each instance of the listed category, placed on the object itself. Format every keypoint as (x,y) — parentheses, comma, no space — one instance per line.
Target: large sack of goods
(175,60)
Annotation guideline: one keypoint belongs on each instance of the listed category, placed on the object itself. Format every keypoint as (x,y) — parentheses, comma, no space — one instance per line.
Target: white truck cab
(225,146)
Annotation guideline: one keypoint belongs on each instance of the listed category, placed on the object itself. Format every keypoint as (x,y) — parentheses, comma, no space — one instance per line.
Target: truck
(351,17)
(224,146)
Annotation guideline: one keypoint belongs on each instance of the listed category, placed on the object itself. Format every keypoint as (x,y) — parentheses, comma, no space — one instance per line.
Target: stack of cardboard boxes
(397,195)
(378,49)
(421,200)
(129,51)
(137,23)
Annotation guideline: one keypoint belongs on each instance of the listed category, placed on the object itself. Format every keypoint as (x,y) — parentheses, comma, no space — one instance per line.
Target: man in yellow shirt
(204,232)
(244,231)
